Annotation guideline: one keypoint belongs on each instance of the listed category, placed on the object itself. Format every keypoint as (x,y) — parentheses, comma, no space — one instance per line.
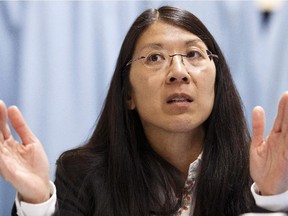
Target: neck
(179,149)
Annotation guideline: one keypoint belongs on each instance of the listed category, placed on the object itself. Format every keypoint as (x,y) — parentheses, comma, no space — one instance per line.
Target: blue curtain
(57,58)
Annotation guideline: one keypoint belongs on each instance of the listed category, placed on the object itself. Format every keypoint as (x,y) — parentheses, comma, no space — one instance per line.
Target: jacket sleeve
(47,208)
(269,204)
(71,196)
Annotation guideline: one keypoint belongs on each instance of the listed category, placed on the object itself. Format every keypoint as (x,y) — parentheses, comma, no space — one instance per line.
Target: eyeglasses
(195,57)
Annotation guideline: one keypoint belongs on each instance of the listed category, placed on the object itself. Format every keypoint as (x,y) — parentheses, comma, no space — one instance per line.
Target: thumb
(18,123)
(258,126)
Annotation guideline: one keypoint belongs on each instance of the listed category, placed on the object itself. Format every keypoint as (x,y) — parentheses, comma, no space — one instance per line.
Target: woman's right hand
(24,165)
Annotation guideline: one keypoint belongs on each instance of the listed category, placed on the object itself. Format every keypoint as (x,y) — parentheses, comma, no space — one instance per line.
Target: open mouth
(179,98)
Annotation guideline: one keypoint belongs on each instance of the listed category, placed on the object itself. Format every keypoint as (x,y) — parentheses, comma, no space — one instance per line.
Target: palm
(269,158)
(24,165)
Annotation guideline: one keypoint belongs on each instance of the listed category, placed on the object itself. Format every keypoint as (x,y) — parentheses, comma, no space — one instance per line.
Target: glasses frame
(208,52)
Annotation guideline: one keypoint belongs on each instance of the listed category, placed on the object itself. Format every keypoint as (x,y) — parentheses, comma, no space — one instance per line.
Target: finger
(281,121)
(258,126)
(20,126)
(4,128)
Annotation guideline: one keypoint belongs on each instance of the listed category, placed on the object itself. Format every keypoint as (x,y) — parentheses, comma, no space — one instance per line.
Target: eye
(154,58)
(194,54)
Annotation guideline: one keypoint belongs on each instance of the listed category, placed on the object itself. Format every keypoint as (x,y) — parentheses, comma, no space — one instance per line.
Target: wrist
(268,190)
(37,198)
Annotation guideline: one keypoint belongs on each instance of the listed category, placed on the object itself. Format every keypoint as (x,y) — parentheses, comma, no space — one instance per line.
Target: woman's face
(175,95)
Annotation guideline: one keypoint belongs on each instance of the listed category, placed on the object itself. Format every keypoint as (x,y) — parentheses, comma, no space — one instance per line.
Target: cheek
(206,79)
(144,88)
(209,86)
(206,87)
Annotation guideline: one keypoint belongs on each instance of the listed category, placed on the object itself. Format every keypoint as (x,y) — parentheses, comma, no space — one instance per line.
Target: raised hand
(24,165)
(269,157)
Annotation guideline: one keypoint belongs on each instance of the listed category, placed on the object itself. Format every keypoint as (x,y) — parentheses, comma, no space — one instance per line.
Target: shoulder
(79,175)
(78,165)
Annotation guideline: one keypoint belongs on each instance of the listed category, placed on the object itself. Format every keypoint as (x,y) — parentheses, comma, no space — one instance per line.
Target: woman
(171,139)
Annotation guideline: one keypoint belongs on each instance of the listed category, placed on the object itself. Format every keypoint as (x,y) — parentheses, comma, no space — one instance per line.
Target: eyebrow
(161,45)
(194,42)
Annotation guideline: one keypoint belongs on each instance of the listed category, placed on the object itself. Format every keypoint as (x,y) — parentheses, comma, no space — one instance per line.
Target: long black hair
(126,177)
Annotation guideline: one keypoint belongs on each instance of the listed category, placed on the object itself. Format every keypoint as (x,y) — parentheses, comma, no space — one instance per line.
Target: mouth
(179,98)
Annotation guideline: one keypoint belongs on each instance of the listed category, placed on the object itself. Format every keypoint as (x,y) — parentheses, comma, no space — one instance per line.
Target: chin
(184,126)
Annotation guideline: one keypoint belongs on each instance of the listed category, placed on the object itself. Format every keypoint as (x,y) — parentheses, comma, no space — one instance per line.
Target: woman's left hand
(269,157)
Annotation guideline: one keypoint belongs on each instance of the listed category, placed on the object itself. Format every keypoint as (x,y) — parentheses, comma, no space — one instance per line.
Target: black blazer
(66,213)
(72,200)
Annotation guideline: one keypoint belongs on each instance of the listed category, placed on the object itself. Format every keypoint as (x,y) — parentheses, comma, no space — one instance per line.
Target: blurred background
(57,58)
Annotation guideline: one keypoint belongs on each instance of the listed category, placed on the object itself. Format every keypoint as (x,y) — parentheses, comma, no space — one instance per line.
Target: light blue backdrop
(57,58)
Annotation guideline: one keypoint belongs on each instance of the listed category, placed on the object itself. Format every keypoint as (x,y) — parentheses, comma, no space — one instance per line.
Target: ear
(130,103)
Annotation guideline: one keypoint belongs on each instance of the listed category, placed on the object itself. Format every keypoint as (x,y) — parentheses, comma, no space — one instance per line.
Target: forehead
(167,36)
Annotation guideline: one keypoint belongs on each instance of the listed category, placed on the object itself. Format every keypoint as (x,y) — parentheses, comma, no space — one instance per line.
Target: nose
(177,71)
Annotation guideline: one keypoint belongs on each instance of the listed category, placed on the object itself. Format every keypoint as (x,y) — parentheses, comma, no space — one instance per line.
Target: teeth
(179,100)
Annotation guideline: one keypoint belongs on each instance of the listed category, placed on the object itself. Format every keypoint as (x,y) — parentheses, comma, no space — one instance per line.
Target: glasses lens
(155,60)
(193,57)
(196,57)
